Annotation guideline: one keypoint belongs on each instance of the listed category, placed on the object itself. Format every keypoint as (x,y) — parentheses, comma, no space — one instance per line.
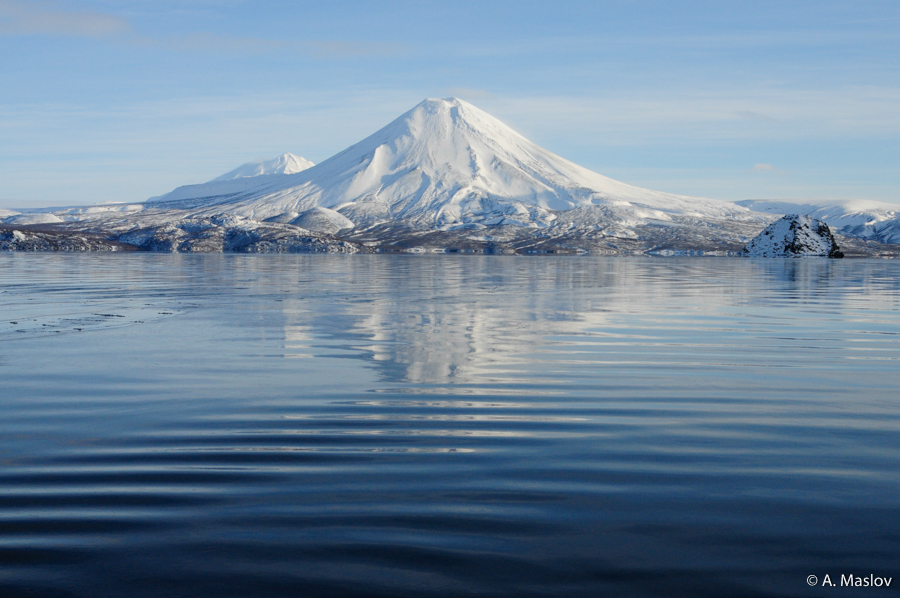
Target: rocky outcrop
(30,240)
(208,235)
(794,236)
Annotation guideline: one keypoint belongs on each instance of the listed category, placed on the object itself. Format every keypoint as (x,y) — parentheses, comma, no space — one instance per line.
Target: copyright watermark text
(850,581)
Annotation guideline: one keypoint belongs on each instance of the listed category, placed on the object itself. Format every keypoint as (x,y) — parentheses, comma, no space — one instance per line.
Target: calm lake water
(227,425)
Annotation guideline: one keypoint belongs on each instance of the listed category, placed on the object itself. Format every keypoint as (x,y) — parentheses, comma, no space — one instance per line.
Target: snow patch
(26,219)
(323,220)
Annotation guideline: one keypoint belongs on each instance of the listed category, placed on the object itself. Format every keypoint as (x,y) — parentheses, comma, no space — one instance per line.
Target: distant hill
(874,220)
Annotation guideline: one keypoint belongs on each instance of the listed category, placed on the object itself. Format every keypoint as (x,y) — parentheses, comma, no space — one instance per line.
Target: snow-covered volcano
(251,177)
(286,163)
(442,164)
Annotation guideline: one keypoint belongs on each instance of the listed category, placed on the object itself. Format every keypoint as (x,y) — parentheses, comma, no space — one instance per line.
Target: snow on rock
(322,220)
(794,236)
(284,164)
(76,213)
(55,215)
(39,218)
(216,192)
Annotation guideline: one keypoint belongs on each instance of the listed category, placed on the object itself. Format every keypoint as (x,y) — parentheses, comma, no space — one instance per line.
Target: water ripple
(502,427)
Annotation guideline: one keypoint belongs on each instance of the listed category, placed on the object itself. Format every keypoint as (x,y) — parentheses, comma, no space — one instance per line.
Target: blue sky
(118,101)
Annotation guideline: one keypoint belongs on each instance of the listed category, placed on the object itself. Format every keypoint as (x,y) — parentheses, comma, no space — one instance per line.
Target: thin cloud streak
(214,43)
(558,123)
(613,43)
(751,115)
(20,18)
(857,112)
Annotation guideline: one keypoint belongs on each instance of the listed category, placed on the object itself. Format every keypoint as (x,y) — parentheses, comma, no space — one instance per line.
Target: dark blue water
(447,426)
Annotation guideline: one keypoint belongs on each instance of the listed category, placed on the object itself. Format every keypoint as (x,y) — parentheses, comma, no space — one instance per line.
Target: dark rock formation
(24,239)
(794,236)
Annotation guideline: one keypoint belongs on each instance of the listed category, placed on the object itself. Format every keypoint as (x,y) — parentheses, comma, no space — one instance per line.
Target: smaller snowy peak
(284,164)
(794,236)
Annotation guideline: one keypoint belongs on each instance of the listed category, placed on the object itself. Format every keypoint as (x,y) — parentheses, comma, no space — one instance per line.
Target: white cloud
(761,167)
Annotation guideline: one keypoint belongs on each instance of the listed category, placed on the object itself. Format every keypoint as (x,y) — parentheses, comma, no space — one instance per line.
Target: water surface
(226,425)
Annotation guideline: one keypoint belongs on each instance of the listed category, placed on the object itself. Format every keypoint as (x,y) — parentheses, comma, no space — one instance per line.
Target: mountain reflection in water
(377,425)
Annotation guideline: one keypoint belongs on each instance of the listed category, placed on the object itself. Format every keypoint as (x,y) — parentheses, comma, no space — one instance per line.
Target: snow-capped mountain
(794,236)
(249,177)
(443,176)
(444,164)
(286,163)
(874,220)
